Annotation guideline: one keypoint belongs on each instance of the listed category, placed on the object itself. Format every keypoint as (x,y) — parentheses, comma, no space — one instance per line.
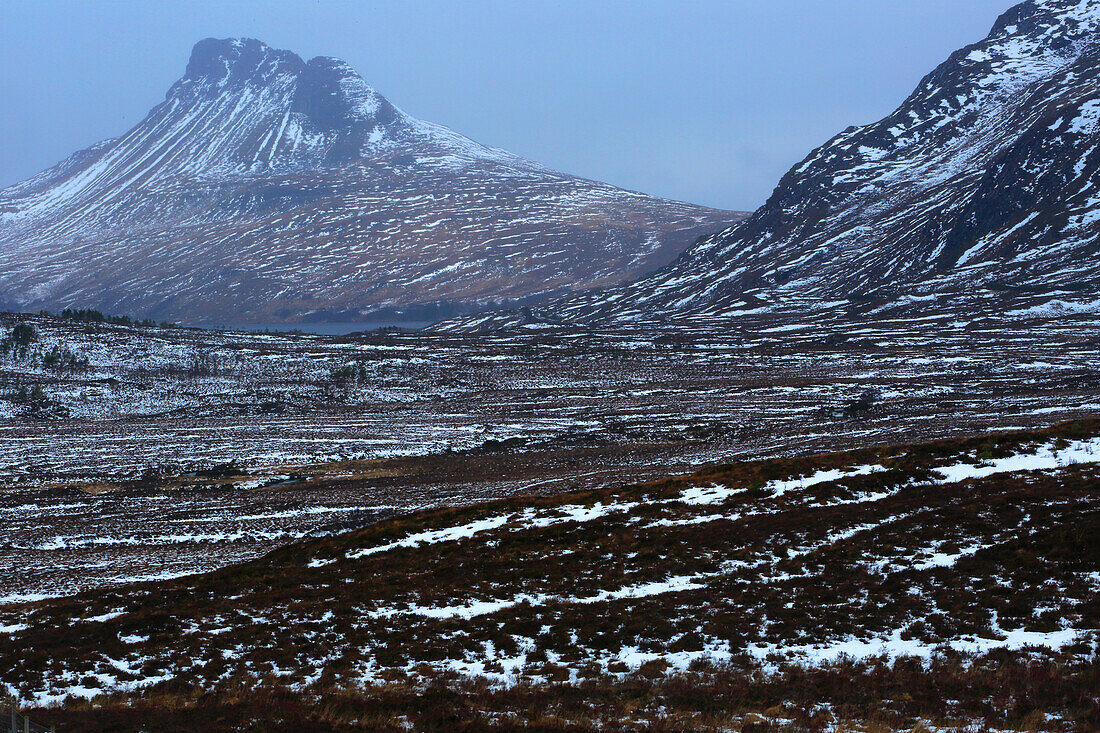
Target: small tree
(23,334)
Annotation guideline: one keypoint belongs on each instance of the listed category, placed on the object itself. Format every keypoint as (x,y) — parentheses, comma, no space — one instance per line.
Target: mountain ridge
(269,188)
(981,181)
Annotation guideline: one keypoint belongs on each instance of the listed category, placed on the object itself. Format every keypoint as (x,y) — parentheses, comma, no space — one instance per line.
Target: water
(334,328)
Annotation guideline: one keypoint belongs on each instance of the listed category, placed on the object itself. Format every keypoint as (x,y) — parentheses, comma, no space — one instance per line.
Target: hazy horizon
(708,102)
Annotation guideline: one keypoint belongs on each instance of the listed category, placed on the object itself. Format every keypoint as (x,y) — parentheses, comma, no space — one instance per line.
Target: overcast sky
(707,101)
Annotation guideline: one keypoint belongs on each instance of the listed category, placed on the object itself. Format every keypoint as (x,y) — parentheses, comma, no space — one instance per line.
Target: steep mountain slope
(984,179)
(267,187)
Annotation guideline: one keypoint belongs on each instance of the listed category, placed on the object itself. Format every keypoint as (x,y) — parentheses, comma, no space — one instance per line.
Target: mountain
(266,187)
(984,181)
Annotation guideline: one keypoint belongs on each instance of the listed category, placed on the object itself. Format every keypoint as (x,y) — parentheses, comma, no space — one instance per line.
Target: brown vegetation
(334,634)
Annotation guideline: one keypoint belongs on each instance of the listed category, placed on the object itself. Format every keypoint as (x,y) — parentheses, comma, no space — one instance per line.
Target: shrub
(203,364)
(63,359)
(348,373)
(89,315)
(23,334)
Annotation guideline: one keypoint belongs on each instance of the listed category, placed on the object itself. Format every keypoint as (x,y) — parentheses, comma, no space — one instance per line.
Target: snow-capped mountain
(984,180)
(266,187)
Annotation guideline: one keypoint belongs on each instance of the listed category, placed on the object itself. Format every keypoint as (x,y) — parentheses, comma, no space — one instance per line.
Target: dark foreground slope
(982,181)
(267,188)
(940,584)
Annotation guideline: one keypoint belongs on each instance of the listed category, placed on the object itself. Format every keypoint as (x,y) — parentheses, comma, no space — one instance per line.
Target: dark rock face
(985,177)
(222,62)
(322,98)
(266,188)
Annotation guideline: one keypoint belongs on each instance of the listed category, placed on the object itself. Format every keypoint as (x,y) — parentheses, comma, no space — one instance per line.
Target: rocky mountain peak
(982,182)
(265,187)
(332,94)
(1037,18)
(224,61)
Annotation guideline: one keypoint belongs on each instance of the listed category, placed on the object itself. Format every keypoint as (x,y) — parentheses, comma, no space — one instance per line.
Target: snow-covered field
(178,400)
(967,546)
(410,507)
(180,451)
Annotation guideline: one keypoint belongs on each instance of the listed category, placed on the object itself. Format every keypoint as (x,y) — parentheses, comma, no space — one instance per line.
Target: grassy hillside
(947,582)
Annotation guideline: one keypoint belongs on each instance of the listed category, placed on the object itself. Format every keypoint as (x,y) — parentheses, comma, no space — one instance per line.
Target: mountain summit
(985,180)
(268,188)
(264,108)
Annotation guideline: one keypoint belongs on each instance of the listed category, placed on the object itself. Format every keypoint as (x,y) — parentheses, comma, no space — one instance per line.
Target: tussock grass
(366,641)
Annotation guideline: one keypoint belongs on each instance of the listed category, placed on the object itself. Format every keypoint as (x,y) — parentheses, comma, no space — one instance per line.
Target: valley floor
(640,530)
(178,450)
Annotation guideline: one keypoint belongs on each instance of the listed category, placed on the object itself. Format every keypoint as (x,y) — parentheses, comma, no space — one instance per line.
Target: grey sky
(707,101)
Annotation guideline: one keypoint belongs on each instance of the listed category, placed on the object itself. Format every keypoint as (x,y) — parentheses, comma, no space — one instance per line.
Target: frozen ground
(180,451)
(957,547)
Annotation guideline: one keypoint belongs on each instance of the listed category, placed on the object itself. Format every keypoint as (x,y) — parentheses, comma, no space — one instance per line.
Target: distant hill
(984,181)
(268,188)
